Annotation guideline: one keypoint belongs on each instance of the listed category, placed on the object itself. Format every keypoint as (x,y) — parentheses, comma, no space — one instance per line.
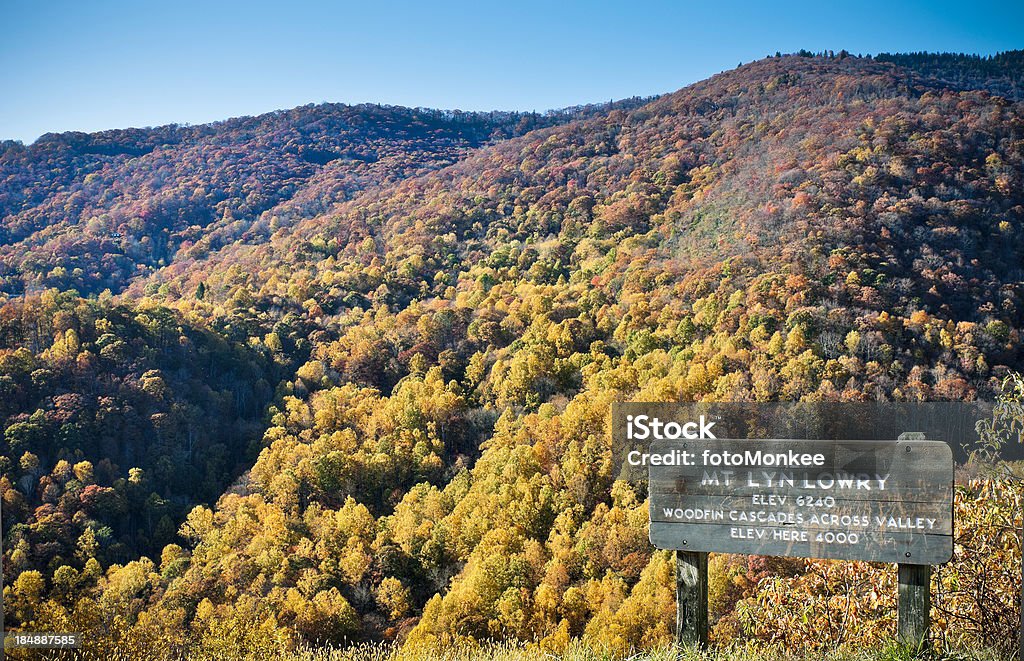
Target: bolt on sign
(882,501)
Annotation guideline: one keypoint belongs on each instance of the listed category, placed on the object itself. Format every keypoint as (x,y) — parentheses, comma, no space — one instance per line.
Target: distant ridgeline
(1001,74)
(97,211)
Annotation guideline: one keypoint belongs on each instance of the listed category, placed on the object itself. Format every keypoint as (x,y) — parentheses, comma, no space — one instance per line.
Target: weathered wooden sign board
(883,501)
(874,500)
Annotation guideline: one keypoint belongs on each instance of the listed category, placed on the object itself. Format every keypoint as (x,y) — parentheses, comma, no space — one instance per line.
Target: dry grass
(521,652)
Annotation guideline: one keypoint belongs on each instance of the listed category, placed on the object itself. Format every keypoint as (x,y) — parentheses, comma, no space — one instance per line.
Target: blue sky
(95,64)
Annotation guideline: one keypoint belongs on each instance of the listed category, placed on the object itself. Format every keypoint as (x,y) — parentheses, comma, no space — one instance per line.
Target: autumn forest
(341,375)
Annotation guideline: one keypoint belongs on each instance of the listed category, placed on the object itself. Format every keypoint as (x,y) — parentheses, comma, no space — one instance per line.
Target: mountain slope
(810,153)
(117,421)
(800,228)
(98,211)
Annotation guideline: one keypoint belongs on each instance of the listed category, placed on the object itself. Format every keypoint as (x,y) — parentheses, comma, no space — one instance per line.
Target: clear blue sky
(95,64)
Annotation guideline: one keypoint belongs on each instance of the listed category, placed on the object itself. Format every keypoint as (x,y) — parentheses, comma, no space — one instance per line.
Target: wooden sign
(882,501)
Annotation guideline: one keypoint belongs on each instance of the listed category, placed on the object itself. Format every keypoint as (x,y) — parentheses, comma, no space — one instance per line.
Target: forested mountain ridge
(96,211)
(436,466)
(104,210)
(1001,74)
(734,163)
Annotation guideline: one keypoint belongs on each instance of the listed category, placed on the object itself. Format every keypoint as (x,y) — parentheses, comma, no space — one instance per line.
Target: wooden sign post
(692,598)
(914,599)
(914,604)
(880,501)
